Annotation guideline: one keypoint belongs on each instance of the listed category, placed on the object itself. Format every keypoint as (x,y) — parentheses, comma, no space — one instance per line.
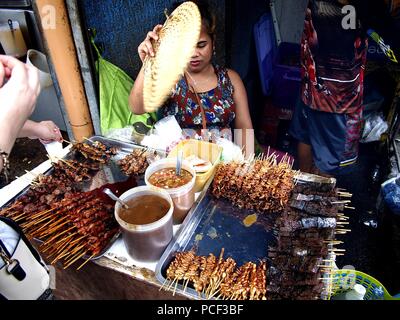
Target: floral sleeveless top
(218,103)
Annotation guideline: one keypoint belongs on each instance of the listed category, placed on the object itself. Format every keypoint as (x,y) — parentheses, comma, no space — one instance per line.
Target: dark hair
(207,16)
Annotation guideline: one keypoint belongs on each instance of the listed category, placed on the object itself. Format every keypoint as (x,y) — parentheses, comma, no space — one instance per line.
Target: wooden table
(106,279)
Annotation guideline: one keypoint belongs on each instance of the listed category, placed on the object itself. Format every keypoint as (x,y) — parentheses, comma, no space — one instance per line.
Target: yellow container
(204,150)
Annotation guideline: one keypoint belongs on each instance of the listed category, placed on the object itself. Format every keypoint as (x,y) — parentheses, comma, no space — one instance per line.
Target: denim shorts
(334,138)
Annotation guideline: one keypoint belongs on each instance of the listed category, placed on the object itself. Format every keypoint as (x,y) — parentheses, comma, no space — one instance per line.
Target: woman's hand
(45,131)
(146,47)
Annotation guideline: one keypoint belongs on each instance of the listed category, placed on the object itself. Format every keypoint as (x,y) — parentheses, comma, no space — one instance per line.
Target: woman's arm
(136,95)
(144,49)
(243,119)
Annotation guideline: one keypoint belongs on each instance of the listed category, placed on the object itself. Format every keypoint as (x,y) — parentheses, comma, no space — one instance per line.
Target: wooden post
(58,40)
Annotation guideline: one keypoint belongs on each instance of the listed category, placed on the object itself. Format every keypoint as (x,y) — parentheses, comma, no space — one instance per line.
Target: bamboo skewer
(77,240)
(87,260)
(345,195)
(176,286)
(55,229)
(164,284)
(333,241)
(56,223)
(72,255)
(172,282)
(36,232)
(32,174)
(185,286)
(47,242)
(64,253)
(36,215)
(18,217)
(60,248)
(344,230)
(53,248)
(69,142)
(29,224)
(63,240)
(76,259)
(78,248)
(67,163)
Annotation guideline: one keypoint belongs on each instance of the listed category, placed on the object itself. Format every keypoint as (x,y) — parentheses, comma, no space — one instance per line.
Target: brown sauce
(144,210)
(167,178)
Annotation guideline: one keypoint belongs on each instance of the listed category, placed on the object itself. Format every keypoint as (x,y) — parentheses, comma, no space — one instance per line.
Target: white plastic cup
(146,242)
(39,60)
(184,196)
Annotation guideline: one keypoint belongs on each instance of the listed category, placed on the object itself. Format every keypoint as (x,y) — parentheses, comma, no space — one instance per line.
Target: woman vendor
(205,86)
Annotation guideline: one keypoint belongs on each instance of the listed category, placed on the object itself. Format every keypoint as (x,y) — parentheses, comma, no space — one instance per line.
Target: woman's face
(202,55)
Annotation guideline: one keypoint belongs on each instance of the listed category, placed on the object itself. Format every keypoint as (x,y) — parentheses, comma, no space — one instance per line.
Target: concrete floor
(27,154)
(375,251)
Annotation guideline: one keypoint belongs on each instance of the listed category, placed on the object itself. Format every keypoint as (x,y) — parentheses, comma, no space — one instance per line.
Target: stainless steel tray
(213,224)
(108,174)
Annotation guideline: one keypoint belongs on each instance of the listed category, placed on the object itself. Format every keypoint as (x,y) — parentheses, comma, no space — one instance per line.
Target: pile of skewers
(71,224)
(44,191)
(76,171)
(62,180)
(78,226)
(263,184)
(47,189)
(95,151)
(135,163)
(302,259)
(217,278)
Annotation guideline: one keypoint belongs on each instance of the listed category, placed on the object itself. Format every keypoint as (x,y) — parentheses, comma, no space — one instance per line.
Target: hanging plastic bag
(374,127)
(115,86)
(166,134)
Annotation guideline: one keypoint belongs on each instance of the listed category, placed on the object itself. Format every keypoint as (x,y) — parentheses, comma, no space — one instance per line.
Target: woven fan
(175,45)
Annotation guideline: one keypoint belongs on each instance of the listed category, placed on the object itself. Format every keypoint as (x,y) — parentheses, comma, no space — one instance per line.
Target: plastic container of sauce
(161,174)
(146,226)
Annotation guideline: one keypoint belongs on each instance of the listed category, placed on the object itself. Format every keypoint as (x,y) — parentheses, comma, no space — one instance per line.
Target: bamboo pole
(59,42)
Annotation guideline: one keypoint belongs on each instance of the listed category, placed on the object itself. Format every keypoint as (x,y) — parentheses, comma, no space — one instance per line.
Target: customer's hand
(5,72)
(146,47)
(18,95)
(46,132)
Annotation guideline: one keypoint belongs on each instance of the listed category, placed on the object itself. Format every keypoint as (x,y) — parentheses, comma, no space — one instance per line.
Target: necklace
(195,83)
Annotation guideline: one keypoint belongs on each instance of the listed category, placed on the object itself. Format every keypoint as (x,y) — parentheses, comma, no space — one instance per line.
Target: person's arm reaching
(45,131)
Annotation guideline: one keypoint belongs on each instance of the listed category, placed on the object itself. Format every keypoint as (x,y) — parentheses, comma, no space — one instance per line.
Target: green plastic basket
(344,279)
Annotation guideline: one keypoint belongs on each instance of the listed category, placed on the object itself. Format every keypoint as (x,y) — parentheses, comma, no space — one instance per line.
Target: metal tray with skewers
(213,224)
(291,236)
(85,178)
